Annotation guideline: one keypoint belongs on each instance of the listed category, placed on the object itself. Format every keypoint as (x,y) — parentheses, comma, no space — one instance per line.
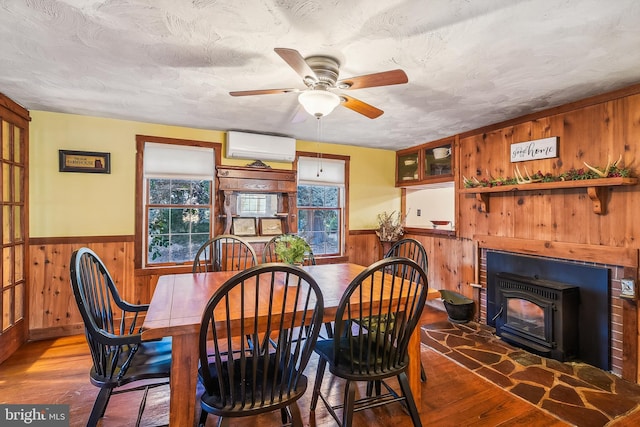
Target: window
(177,201)
(321,206)
(179,219)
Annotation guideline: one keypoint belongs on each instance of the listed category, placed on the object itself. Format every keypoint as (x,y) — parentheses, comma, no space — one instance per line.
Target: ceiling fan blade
(297,62)
(262,92)
(361,107)
(385,78)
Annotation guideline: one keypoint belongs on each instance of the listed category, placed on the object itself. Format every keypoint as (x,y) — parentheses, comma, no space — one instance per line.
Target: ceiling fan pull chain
(318,145)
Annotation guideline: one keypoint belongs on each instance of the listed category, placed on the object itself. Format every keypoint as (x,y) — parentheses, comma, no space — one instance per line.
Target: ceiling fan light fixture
(319,103)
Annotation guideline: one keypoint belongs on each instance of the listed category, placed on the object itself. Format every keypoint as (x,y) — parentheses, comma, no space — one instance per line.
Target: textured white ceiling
(470,63)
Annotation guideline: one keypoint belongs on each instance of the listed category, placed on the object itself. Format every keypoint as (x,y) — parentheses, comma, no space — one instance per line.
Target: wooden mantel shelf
(594,190)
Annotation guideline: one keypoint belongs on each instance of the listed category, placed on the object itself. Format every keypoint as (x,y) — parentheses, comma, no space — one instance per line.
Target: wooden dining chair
(119,354)
(280,307)
(269,253)
(225,252)
(363,351)
(412,249)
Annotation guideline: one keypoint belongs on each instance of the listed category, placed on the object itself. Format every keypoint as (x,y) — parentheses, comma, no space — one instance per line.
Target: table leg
(413,371)
(184,374)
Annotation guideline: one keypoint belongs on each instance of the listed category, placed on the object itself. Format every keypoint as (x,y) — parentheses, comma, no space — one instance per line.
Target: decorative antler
(520,179)
(605,173)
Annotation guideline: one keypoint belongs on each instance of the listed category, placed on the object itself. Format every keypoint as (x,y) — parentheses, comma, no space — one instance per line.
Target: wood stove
(540,316)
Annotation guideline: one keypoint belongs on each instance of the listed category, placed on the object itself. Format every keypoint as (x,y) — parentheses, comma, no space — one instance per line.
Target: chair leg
(296,417)
(142,405)
(318,383)
(411,404)
(349,403)
(99,406)
(203,418)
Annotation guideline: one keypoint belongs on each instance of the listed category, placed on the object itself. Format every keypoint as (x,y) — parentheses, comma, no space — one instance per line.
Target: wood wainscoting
(52,307)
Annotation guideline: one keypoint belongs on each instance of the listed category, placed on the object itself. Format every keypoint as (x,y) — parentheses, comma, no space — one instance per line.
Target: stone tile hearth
(572,391)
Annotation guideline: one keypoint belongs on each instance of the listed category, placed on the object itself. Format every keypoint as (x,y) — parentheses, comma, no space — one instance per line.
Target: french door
(14,137)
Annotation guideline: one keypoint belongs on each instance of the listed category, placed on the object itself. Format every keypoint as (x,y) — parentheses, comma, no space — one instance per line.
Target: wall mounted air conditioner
(255,146)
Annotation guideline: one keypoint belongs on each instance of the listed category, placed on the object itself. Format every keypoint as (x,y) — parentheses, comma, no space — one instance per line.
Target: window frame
(344,230)
(140,205)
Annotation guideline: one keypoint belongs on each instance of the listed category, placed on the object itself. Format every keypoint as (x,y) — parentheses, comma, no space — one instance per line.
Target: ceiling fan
(320,74)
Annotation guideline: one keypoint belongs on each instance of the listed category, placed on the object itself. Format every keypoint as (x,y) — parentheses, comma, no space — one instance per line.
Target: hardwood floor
(56,371)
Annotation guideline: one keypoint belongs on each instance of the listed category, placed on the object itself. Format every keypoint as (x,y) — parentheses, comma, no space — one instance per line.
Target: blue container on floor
(460,309)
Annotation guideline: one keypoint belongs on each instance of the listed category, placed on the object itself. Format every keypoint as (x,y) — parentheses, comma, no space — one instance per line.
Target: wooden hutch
(234,181)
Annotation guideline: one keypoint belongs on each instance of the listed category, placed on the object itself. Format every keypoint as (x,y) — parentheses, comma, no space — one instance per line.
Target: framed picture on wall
(244,226)
(84,161)
(270,226)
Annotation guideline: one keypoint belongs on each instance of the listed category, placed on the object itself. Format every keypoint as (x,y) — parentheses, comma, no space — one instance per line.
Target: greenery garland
(572,174)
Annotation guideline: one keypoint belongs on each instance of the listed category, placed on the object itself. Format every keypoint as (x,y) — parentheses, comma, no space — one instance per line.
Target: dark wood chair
(412,249)
(224,253)
(244,379)
(269,253)
(363,351)
(119,354)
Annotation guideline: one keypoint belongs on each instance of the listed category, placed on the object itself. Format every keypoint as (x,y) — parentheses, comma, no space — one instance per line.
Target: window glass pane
(7,267)
(159,191)
(6,224)
(6,188)
(18,194)
(19,263)
(180,248)
(19,295)
(17,146)
(17,224)
(317,196)
(331,197)
(7,298)
(181,193)
(6,141)
(304,195)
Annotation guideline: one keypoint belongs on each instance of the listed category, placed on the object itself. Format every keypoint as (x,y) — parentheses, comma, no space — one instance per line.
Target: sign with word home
(532,150)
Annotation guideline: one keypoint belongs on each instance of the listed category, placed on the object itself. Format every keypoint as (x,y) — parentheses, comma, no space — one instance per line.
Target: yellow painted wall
(84,204)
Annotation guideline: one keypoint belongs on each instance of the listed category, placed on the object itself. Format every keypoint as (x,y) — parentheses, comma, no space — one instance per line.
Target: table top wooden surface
(179,299)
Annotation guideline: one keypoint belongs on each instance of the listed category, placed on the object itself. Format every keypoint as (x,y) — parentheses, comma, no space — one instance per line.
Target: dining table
(176,311)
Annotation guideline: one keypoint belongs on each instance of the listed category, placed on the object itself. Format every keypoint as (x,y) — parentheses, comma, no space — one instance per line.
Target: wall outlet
(628,287)
(418,212)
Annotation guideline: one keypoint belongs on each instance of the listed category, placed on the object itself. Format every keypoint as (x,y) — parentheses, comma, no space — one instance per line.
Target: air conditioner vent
(256,146)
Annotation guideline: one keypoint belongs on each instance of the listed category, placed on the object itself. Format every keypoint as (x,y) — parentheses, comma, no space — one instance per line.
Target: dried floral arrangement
(611,170)
(390,226)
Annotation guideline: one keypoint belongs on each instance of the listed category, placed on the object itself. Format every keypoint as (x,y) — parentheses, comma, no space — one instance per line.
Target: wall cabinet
(426,164)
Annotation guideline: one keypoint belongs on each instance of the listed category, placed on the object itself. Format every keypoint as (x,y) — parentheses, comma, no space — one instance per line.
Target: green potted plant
(291,249)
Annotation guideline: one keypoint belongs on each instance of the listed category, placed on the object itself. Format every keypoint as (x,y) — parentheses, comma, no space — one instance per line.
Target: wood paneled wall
(52,307)
(589,134)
